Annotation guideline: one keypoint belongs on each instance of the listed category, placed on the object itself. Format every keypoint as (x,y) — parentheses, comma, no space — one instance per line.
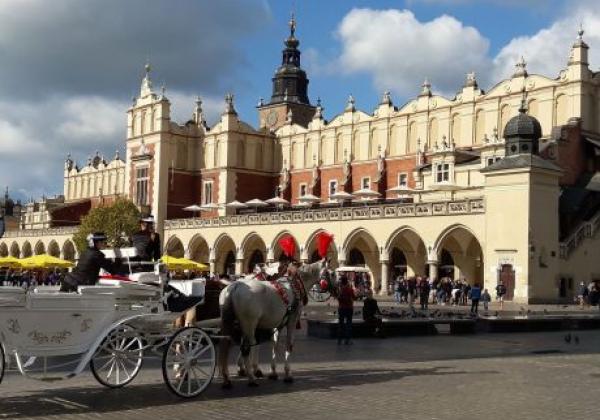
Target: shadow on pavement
(83,400)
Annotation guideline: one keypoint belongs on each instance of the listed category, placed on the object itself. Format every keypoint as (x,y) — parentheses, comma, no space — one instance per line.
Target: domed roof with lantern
(523,125)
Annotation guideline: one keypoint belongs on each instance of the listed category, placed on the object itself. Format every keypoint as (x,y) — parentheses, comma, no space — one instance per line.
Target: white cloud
(399,51)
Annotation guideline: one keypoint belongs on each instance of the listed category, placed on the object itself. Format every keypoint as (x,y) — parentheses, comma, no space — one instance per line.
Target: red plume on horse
(324,239)
(288,246)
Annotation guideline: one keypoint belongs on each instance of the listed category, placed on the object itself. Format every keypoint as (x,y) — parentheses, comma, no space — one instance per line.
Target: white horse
(257,304)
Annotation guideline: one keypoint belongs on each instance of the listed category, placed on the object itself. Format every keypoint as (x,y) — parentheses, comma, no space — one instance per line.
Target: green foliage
(118,221)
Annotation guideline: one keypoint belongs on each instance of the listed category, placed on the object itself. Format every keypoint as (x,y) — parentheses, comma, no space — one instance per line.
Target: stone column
(433,270)
(384,278)
(213,267)
(239,266)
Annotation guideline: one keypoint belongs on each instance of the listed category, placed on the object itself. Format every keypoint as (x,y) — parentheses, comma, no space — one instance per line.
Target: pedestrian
(486,298)
(500,292)
(424,290)
(582,294)
(412,287)
(346,298)
(475,294)
(398,290)
(372,315)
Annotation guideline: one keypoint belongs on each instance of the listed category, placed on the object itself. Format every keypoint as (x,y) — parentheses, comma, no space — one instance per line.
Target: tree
(118,221)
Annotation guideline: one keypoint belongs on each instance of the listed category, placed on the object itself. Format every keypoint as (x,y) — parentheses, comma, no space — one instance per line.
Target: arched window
(433,132)
(562,110)
(412,137)
(455,130)
(339,149)
(504,117)
(479,126)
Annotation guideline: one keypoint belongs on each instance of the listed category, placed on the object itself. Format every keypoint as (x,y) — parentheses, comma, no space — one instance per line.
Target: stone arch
(276,251)
(459,245)
(254,251)
(433,132)
(68,251)
(310,249)
(53,249)
(406,243)
(198,249)
(3,250)
(15,251)
(174,247)
(224,252)
(26,250)
(39,248)
(361,248)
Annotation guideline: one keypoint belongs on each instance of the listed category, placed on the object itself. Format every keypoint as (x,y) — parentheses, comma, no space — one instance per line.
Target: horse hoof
(273,377)
(258,373)
(242,373)
(288,380)
(252,384)
(227,385)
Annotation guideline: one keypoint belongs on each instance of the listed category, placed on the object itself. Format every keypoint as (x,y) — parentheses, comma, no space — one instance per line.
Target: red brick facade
(251,185)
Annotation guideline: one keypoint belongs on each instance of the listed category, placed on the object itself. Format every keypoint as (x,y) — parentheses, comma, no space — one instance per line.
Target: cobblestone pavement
(491,376)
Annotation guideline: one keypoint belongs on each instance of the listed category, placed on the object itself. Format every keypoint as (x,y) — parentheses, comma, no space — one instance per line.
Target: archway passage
(26,250)
(39,248)
(460,256)
(407,256)
(225,251)
(3,250)
(198,250)
(398,264)
(362,250)
(15,251)
(69,251)
(254,252)
(175,248)
(53,249)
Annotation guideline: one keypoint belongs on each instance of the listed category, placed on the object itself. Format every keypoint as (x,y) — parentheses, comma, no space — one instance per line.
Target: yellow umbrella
(175,264)
(44,261)
(10,262)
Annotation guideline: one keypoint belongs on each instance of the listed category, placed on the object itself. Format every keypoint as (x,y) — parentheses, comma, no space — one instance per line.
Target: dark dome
(524,126)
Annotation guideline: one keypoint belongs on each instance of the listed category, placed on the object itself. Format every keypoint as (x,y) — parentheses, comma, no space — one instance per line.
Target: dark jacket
(88,268)
(147,245)
(370,309)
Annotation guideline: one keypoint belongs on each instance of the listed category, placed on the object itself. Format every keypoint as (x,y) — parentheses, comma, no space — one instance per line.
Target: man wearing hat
(88,267)
(146,241)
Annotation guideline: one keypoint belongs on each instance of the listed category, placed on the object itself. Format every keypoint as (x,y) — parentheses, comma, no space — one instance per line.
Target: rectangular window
(333,184)
(207,193)
(365,183)
(403,180)
(141,176)
(303,190)
(442,172)
(490,161)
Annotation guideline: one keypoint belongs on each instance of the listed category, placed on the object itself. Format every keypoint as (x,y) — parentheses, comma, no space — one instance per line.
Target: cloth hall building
(502,184)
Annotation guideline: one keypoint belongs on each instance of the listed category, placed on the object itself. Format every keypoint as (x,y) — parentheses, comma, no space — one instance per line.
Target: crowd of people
(31,278)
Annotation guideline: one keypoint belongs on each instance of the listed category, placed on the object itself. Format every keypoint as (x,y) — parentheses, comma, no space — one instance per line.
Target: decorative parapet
(585,230)
(36,233)
(379,211)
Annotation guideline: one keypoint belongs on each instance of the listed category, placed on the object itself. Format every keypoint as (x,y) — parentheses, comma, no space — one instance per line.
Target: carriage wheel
(189,362)
(119,358)
(316,294)
(2,362)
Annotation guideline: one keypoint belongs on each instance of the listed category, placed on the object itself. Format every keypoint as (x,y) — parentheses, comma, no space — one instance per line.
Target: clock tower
(289,101)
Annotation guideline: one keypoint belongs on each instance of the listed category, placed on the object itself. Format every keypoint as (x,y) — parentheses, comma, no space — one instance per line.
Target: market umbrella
(366,193)
(210,206)
(309,199)
(175,264)
(44,261)
(341,196)
(10,262)
(236,205)
(256,203)
(193,208)
(277,201)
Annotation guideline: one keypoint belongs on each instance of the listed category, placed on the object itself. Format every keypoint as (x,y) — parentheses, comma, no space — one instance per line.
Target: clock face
(272,118)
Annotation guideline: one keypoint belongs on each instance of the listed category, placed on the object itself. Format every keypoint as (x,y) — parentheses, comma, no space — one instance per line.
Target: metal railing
(585,230)
(59,231)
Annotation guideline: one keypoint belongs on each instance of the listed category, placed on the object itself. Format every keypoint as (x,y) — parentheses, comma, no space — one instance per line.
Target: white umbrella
(309,199)
(210,206)
(256,203)
(193,208)
(302,205)
(277,201)
(341,196)
(236,205)
(366,193)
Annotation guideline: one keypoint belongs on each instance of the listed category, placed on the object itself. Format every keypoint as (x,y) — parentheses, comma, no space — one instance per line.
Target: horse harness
(296,287)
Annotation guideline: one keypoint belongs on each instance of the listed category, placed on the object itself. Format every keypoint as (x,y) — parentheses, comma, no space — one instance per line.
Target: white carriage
(111,327)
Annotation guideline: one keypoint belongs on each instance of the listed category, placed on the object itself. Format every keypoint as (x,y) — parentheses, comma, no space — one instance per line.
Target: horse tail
(228,315)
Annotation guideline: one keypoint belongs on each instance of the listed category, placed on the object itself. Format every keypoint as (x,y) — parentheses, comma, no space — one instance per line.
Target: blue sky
(69,72)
